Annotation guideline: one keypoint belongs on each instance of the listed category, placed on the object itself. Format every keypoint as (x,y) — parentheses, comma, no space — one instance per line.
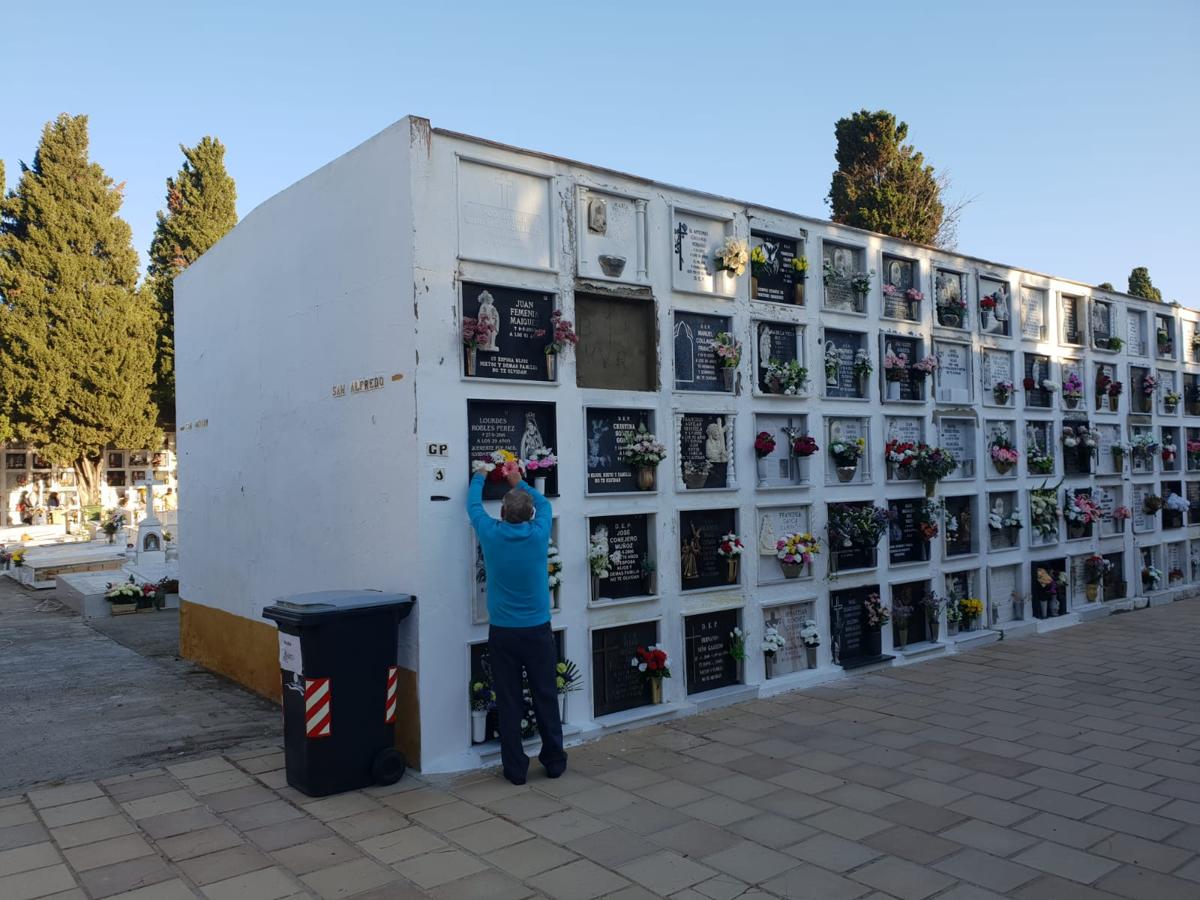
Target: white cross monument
(151,548)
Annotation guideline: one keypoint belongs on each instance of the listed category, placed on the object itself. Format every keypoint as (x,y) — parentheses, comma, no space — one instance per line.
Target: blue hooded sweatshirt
(518,586)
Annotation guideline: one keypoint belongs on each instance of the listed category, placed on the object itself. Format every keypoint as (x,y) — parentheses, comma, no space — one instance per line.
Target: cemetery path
(1060,766)
(75,703)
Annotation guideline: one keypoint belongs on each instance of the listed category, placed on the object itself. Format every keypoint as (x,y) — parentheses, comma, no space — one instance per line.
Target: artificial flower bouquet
(758,261)
(732,256)
(126,592)
(643,449)
(497,465)
(833,363)
(567,677)
(1039,463)
(652,661)
(476,332)
(1151,577)
(1177,504)
(1149,384)
(862,364)
(1080,510)
(764,444)
(554,566)
(541,463)
(786,378)
(847,453)
(894,366)
(1004,455)
(802,445)
(737,644)
(860,282)
(933,463)
(563,334)
(728,349)
(970,608)
(1097,568)
(810,634)
(772,641)
(600,560)
(925,366)
(1001,391)
(1044,512)
(877,613)
(928,515)
(800,267)
(1072,388)
(900,455)
(797,549)
(731,546)
(857,526)
(1151,504)
(1001,521)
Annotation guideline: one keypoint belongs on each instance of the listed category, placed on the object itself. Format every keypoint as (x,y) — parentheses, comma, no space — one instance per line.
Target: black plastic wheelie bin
(337,660)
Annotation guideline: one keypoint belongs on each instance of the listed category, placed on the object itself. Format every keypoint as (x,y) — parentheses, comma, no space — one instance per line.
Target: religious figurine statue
(1001,310)
(597,216)
(831,374)
(690,555)
(715,449)
(998,508)
(490,315)
(764,347)
(766,536)
(597,458)
(531,440)
(964,526)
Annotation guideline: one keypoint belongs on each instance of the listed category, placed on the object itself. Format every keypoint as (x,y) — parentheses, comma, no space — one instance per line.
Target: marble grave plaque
(706,640)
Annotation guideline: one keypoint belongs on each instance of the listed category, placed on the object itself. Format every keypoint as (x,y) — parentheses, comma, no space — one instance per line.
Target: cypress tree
(1140,284)
(77,339)
(201,209)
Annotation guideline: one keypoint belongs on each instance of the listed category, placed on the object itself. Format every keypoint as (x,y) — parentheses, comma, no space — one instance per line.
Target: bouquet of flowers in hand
(877,613)
(733,255)
(643,449)
(497,465)
(652,661)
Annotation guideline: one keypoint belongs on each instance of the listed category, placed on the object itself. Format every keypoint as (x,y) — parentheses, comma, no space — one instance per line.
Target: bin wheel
(389,766)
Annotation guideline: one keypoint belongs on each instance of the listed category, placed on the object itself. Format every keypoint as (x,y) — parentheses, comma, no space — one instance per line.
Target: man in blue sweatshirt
(515,549)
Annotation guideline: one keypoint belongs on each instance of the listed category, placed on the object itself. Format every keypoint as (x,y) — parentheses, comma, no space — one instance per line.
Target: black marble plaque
(905,544)
(629,536)
(606,431)
(700,532)
(1101,323)
(523,333)
(776,343)
(898,274)
(706,650)
(1192,496)
(1037,367)
(959,541)
(847,344)
(844,558)
(616,684)
(854,642)
(1070,319)
(776,280)
(1077,460)
(694,439)
(514,425)
(697,367)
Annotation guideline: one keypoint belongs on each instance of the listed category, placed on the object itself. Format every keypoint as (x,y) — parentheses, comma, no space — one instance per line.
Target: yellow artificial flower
(758,256)
(1043,578)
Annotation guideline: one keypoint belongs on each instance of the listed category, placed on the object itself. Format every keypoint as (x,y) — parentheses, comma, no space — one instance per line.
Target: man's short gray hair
(517,506)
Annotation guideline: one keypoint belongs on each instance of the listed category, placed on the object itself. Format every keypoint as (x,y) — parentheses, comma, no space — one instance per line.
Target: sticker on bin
(389,713)
(318,707)
(290,657)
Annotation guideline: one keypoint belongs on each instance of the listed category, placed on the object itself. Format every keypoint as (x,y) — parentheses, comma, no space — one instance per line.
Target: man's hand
(513,478)
(478,467)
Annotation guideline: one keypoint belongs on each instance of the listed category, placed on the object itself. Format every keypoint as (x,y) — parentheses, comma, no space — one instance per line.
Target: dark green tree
(1141,286)
(1106,286)
(76,338)
(884,185)
(201,209)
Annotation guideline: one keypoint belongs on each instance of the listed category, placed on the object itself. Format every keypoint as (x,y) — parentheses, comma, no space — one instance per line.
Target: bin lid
(303,609)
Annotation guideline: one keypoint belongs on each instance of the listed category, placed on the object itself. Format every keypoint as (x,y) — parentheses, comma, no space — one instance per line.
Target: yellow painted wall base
(247,652)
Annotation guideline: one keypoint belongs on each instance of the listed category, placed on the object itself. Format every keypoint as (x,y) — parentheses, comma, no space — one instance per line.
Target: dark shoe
(515,779)
(555,771)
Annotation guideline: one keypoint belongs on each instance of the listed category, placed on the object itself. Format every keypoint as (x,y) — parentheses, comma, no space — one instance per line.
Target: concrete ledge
(794,681)
(918,652)
(979,636)
(735,693)
(1016,629)
(1054,624)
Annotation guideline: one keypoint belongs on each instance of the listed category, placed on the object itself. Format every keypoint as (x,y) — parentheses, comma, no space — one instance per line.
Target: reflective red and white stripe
(389,715)
(318,707)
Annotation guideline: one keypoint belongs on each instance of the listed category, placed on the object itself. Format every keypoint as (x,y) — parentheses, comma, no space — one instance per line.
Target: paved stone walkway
(1051,768)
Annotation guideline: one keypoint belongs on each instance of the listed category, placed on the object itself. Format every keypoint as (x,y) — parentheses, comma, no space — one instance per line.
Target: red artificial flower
(988,302)
(1029,384)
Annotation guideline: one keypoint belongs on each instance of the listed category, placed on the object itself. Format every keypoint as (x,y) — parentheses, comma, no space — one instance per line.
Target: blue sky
(1074,125)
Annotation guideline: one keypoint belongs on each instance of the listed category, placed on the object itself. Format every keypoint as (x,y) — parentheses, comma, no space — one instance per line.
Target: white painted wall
(355,271)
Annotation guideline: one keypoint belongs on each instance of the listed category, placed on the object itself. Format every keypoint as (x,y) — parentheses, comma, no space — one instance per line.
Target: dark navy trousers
(511,650)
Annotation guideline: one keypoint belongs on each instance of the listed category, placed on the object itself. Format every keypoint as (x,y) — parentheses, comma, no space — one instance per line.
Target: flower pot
(951,628)
(1071,402)
(472,354)
(753,287)
(539,484)
(810,656)
(1118,460)
(985,317)
(656,691)
(478,726)
(930,488)
(727,373)
(901,634)
(950,319)
(122,609)
(760,465)
(873,642)
(934,625)
(798,293)
(1074,531)
(791,570)
(1170,407)
(595,588)
(551,366)
(562,707)
(648,584)
(731,570)
(1002,467)
(846,473)
(768,662)
(112,539)
(893,390)
(695,481)
(645,476)
(1091,590)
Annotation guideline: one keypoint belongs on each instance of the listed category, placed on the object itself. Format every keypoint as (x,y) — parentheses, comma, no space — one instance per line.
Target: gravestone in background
(706,643)
(700,532)
(628,535)
(776,281)
(905,544)
(606,430)
(523,333)
(854,642)
(509,425)
(616,684)
(846,344)
(775,342)
(789,621)
(694,442)
(697,367)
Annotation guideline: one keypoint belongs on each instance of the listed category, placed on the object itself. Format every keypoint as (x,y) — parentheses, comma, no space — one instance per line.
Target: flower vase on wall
(478,726)
(656,691)
(551,366)
(810,656)
(893,390)
(761,467)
